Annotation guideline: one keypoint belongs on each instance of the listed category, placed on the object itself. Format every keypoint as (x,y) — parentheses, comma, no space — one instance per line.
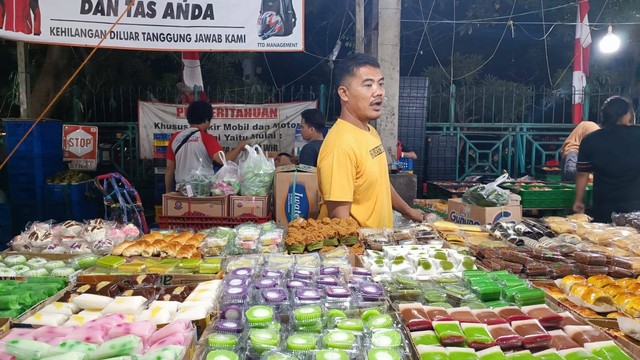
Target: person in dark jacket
(611,154)
(312,129)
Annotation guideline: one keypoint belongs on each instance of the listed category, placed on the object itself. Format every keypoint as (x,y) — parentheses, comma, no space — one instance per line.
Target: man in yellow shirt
(353,174)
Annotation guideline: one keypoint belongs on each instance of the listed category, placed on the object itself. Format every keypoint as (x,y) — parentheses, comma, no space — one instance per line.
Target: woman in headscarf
(569,150)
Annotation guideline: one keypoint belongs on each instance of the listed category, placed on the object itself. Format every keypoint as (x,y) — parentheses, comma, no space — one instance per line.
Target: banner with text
(162,25)
(273,126)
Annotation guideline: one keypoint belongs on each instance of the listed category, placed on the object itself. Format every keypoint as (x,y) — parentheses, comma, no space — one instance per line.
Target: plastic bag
(198,183)
(489,195)
(256,173)
(227,180)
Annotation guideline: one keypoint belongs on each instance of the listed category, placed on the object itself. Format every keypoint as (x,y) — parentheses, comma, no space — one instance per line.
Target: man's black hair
(284,154)
(614,109)
(349,65)
(199,112)
(314,118)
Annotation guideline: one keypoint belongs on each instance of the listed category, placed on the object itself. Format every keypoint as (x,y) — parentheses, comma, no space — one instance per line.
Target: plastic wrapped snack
(91,301)
(477,335)
(545,316)
(533,334)
(130,305)
(505,336)
(28,349)
(122,346)
(584,334)
(415,317)
(449,333)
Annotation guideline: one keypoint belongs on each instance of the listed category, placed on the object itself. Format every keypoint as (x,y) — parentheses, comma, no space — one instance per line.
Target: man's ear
(342,92)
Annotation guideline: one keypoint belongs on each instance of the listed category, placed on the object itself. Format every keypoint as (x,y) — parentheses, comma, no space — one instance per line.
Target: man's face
(306,130)
(363,92)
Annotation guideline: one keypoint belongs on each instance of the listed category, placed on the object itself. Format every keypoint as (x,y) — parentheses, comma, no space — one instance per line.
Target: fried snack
(314,235)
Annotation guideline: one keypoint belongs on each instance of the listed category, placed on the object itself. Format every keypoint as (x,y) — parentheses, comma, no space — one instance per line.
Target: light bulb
(610,43)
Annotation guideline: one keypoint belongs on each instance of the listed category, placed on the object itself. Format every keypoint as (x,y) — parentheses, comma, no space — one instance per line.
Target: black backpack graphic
(277,18)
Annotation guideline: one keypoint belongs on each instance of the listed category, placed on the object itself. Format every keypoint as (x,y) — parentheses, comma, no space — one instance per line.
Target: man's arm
(232,154)
(403,208)
(582,178)
(339,209)
(168,175)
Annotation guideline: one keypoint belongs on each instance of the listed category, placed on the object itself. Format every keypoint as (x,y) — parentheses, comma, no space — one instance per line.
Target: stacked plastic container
(39,157)
(160,143)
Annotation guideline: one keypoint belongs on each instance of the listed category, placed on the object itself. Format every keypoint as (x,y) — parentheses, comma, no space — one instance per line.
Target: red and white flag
(191,72)
(582,50)
(192,78)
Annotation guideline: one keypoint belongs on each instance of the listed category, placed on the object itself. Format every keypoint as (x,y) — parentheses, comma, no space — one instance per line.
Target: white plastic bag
(490,195)
(227,180)
(256,173)
(198,183)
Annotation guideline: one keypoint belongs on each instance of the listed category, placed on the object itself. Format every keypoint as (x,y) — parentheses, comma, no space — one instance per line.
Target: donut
(15,259)
(36,262)
(20,269)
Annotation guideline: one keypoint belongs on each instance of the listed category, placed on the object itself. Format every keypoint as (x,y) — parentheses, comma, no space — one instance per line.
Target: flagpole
(582,52)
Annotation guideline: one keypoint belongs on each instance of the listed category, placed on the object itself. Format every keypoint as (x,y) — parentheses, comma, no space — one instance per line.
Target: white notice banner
(273,126)
(162,25)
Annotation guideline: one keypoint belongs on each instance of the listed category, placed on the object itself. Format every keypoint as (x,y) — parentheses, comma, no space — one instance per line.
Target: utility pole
(23,78)
(359,26)
(389,58)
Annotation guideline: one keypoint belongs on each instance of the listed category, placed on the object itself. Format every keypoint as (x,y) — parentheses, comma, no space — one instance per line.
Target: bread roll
(170,250)
(135,249)
(600,280)
(118,249)
(186,251)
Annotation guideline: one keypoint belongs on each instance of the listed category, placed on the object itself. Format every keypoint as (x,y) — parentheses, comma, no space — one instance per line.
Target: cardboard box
(462,213)
(249,206)
(301,200)
(178,205)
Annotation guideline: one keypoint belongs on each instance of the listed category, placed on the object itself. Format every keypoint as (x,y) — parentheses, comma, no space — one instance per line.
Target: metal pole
(23,78)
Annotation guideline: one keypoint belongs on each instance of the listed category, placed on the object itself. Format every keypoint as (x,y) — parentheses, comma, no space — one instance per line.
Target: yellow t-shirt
(352,167)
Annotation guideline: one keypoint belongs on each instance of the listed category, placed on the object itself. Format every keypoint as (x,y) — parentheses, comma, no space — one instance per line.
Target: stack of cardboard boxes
(295,194)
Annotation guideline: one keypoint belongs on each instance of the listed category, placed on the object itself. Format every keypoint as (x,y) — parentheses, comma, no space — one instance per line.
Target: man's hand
(416,215)
(243,143)
(578,207)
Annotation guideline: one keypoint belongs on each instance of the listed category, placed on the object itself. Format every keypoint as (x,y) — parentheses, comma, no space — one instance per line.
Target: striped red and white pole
(582,52)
